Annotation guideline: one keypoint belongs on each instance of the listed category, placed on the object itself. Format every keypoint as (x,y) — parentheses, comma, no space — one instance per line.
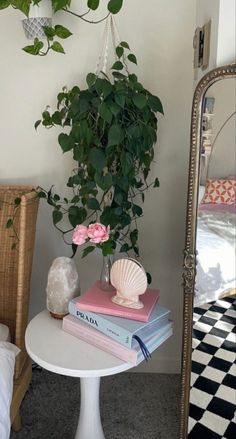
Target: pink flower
(80,235)
(98,233)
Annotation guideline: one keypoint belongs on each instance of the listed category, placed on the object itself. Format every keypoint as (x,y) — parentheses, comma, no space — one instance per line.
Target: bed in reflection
(216,239)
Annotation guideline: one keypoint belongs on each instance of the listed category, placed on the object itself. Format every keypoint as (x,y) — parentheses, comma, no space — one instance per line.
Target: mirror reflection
(212,393)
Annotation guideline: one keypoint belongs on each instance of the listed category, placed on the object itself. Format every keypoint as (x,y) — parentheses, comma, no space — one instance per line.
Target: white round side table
(59,352)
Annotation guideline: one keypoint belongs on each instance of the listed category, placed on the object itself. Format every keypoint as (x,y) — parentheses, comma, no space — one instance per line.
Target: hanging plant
(110,128)
(39,27)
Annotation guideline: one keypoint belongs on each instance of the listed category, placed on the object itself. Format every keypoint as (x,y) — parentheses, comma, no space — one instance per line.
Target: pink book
(96,338)
(99,301)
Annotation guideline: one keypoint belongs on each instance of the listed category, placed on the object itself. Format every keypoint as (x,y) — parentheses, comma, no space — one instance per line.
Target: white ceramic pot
(39,15)
(62,286)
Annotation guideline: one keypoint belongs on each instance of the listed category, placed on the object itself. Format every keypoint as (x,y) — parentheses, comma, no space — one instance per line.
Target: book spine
(101,341)
(116,313)
(121,335)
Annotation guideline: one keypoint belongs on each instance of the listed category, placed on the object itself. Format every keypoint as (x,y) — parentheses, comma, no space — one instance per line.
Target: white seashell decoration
(129,279)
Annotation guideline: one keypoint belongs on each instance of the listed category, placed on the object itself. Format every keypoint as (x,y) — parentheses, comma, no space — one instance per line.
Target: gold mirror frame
(189,262)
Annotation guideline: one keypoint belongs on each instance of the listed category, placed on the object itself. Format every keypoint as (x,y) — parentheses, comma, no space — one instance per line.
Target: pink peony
(98,233)
(80,234)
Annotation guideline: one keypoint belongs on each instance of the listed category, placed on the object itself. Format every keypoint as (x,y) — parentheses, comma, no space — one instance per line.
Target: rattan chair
(15,276)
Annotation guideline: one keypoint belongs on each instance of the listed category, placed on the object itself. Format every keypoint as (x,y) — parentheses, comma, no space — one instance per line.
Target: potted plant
(110,128)
(38,21)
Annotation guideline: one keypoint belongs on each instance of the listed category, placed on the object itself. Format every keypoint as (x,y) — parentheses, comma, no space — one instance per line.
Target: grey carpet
(133,406)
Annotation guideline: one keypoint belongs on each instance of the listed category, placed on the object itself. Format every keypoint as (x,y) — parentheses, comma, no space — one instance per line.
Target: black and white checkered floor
(213,377)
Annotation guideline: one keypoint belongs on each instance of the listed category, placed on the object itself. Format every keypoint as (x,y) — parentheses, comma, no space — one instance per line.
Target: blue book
(121,329)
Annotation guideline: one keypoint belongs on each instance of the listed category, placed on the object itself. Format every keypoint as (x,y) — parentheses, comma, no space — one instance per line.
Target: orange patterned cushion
(220,191)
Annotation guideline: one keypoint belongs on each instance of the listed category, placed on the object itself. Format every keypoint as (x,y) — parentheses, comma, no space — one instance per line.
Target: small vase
(105,281)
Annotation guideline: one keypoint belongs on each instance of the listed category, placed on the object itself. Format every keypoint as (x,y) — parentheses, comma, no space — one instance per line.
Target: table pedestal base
(89,426)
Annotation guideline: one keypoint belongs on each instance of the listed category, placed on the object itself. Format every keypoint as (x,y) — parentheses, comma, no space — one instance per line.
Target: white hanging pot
(39,15)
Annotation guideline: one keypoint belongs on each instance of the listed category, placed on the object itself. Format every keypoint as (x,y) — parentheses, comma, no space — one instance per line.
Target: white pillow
(4,333)
(8,353)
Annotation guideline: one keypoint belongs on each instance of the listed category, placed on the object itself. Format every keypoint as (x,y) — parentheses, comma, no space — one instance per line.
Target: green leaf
(115,135)
(124,44)
(97,159)
(156,183)
(37,123)
(93,4)
(88,250)
(107,248)
(124,248)
(149,278)
(93,204)
(65,142)
(74,249)
(88,188)
(120,99)
(56,216)
(139,101)
(134,236)
(9,223)
(35,48)
(62,32)
(106,88)
(119,51)
(57,47)
(118,75)
(91,79)
(137,210)
(108,217)
(114,108)
(76,215)
(56,118)
(131,57)
(155,104)
(105,112)
(41,194)
(126,162)
(49,32)
(22,5)
(115,6)
(4,4)
(118,65)
(133,77)
(59,4)
(17,201)
(103,181)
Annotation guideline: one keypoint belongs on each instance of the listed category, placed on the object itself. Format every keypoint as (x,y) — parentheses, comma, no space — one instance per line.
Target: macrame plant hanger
(110,31)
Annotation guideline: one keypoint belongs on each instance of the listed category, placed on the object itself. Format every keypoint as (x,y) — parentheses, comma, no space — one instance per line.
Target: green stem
(84,19)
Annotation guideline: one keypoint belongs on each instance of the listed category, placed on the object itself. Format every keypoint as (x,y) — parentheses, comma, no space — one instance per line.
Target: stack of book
(127,333)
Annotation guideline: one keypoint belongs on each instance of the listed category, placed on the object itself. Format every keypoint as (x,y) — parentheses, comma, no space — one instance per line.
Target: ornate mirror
(209,276)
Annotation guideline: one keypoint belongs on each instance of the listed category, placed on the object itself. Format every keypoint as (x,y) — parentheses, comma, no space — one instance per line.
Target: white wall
(226,51)
(209,10)
(222,14)
(160,33)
